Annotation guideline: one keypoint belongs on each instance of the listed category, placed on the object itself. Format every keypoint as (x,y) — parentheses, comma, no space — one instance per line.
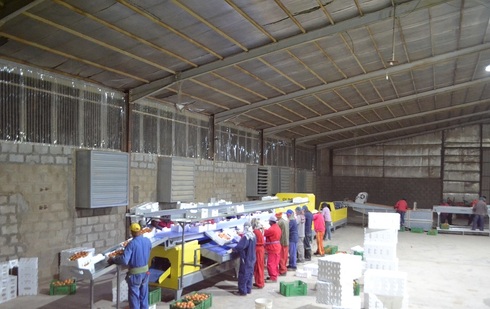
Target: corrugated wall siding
(423,168)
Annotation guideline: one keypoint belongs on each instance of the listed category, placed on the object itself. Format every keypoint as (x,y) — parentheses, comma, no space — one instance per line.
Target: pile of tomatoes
(190,301)
(196,297)
(78,255)
(63,283)
(184,304)
(116,253)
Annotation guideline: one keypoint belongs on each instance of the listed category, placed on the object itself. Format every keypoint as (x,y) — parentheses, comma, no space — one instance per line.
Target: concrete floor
(444,271)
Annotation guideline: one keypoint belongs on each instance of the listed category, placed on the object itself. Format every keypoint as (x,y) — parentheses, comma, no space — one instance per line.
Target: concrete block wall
(37,207)
(387,191)
(143,178)
(38,216)
(221,180)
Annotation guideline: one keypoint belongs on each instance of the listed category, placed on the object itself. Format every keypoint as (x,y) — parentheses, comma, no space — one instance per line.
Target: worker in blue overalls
(246,249)
(135,256)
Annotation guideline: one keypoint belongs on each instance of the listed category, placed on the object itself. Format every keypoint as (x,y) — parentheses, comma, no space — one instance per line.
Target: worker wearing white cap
(246,249)
(273,248)
(135,256)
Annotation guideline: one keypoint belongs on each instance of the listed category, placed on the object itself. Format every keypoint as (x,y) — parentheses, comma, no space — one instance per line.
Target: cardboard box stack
(123,289)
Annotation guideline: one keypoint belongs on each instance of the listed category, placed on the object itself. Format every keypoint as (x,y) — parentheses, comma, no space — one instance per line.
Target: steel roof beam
(157,85)
(419,126)
(280,128)
(13,9)
(369,124)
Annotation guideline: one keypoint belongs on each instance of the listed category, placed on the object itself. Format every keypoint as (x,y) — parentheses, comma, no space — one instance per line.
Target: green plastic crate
(62,290)
(357,288)
(207,303)
(154,295)
(331,249)
(417,230)
(361,253)
(199,305)
(295,288)
(432,232)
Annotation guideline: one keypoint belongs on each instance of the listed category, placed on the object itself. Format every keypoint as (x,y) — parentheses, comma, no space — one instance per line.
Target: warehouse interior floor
(444,271)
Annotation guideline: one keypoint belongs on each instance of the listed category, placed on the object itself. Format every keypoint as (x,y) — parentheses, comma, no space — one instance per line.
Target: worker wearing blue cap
(293,239)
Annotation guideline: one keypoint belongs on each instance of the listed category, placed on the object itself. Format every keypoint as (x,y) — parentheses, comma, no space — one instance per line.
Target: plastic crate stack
(384,286)
(28,276)
(380,249)
(335,285)
(66,266)
(8,283)
(123,289)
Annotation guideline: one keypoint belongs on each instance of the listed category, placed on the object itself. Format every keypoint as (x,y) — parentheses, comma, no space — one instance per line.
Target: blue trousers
(402,218)
(292,255)
(245,277)
(328,230)
(478,222)
(138,290)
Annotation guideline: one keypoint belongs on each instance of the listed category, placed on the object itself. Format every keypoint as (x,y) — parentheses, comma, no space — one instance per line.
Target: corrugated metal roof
(316,71)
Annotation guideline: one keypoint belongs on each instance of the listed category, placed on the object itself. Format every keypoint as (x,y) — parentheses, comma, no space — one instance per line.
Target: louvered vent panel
(309,181)
(275,180)
(285,180)
(102,179)
(263,181)
(175,180)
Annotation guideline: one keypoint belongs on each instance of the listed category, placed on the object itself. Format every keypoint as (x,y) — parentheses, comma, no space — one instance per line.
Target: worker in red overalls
(258,230)
(273,248)
(401,207)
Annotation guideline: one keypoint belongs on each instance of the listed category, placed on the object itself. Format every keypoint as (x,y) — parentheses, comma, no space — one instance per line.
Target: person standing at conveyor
(446,217)
(259,254)
(284,226)
(319,224)
(401,207)
(273,248)
(307,241)
(328,221)
(480,211)
(293,239)
(135,256)
(300,220)
(246,249)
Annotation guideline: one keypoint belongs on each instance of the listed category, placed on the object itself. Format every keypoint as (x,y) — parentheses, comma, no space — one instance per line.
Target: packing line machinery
(184,255)
(191,254)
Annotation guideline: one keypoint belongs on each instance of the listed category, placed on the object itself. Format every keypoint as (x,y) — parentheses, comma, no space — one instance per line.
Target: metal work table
(102,268)
(420,218)
(457,210)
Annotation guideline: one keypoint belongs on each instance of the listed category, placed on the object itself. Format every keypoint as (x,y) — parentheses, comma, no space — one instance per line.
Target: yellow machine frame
(170,278)
(290,196)
(339,216)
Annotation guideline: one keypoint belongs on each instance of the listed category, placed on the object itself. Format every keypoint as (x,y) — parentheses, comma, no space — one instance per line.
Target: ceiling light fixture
(487,68)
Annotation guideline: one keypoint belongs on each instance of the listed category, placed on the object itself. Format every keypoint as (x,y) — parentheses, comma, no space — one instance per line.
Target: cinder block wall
(37,207)
(221,180)
(38,216)
(386,191)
